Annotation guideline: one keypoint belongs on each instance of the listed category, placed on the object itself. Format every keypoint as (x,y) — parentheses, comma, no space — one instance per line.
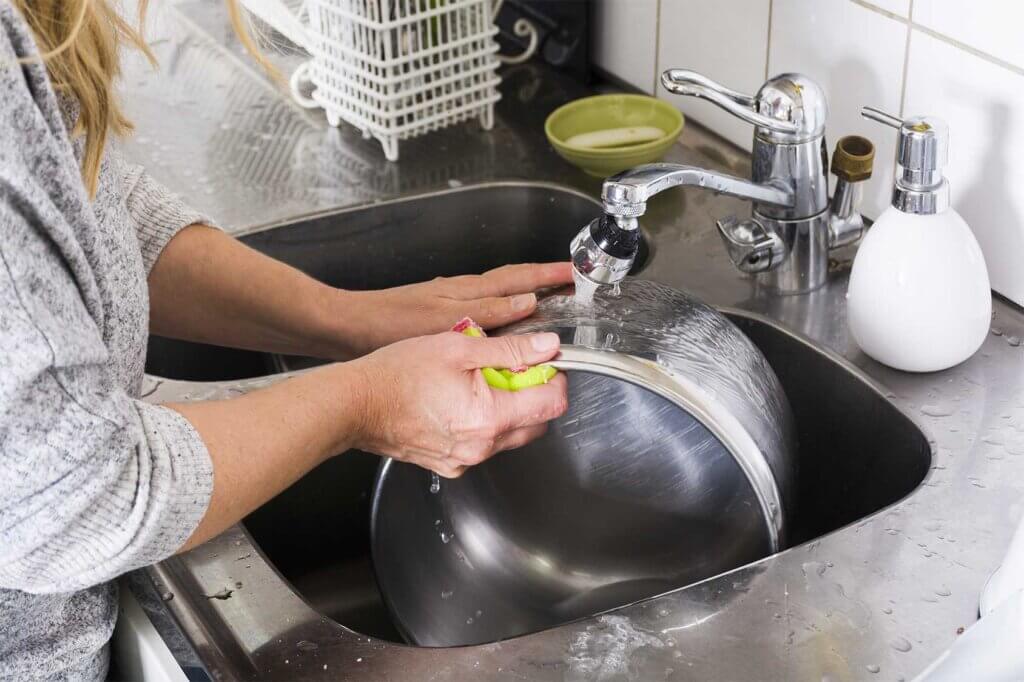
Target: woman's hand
(373,319)
(426,401)
(208,287)
(422,400)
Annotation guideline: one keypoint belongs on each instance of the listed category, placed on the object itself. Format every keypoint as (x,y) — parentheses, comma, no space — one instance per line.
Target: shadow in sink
(856,455)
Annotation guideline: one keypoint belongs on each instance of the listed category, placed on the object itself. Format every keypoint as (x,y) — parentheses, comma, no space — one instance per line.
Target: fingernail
(523,302)
(543,343)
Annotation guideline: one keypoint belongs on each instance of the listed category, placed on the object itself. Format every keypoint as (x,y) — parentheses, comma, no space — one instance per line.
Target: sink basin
(459,232)
(856,452)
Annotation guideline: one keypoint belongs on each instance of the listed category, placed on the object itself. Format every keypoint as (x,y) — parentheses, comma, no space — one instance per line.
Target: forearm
(264,441)
(207,286)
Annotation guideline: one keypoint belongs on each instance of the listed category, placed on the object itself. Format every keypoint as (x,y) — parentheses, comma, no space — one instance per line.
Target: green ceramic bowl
(602,112)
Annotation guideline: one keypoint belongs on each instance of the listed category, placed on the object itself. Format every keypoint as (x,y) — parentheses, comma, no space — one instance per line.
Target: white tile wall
(964,62)
(726,40)
(804,38)
(984,106)
(625,38)
(995,27)
(898,7)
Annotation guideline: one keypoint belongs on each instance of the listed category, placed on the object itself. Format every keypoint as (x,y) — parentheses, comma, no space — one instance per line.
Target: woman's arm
(207,286)
(421,400)
(97,483)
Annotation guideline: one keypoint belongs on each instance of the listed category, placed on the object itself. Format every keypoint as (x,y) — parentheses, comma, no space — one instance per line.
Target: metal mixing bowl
(672,464)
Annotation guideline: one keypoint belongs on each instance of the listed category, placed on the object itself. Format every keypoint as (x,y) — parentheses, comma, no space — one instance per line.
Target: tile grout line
(768,42)
(980,54)
(906,62)
(879,10)
(657,46)
(984,56)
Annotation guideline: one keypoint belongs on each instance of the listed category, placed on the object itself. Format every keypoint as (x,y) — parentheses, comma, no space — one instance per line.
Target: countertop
(878,599)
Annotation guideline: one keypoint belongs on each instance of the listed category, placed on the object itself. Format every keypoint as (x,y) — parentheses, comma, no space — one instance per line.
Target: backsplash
(962,61)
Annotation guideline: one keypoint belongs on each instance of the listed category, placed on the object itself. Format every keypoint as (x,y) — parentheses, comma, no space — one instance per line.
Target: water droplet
(901,644)
(943,592)
(1013,340)
(167,596)
(446,594)
(479,613)
(996,331)
(306,645)
(887,611)
(935,411)
(469,621)
(872,668)
(446,537)
(435,483)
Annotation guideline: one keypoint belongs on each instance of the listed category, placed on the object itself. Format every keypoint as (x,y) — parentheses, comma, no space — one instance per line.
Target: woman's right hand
(426,401)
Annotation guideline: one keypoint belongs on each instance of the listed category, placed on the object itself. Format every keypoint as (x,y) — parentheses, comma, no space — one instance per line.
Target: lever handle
(693,84)
(750,246)
(879,116)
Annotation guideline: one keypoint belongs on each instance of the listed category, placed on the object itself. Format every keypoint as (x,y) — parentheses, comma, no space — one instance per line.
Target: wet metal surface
(677,428)
(876,599)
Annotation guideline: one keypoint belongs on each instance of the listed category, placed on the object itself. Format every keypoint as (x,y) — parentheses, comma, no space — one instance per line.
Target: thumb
(510,351)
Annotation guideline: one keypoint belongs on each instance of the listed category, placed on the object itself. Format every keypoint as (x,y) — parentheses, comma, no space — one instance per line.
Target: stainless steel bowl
(673,464)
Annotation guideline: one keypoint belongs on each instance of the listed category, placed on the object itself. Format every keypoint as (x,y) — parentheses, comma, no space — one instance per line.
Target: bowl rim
(613,152)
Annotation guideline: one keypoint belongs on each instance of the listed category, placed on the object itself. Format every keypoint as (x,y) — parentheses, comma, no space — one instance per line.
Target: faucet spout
(626,193)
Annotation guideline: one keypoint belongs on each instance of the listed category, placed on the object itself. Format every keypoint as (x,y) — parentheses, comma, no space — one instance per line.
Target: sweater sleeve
(159,214)
(94,482)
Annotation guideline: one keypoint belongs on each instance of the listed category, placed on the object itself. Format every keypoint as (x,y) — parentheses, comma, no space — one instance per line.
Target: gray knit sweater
(93,482)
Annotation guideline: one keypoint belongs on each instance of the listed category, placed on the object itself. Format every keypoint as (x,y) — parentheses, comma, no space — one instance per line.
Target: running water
(585,289)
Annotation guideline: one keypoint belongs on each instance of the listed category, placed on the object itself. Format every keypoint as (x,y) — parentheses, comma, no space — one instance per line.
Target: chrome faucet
(793,224)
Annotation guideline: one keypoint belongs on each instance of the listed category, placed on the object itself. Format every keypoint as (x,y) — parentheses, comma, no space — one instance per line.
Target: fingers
(517,438)
(512,279)
(532,406)
(473,452)
(497,311)
(507,351)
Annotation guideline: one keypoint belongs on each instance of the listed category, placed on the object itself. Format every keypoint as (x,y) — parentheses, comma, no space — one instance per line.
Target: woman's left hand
(372,319)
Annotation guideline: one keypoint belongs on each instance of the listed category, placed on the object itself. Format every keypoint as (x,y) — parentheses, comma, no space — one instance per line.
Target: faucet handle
(750,246)
(788,108)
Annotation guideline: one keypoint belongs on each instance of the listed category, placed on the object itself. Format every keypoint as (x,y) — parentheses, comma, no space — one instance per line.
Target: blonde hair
(80,43)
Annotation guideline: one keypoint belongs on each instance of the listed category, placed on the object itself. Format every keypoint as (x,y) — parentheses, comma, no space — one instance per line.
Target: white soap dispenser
(919,297)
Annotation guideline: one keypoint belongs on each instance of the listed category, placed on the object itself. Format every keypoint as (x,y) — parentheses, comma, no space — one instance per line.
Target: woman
(95,255)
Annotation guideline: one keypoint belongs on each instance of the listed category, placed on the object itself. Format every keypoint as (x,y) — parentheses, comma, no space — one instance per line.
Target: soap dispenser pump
(919,297)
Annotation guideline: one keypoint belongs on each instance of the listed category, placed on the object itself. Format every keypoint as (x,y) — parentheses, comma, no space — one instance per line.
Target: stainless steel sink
(856,452)
(388,244)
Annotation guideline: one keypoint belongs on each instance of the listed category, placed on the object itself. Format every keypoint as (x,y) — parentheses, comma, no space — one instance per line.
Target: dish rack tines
(400,68)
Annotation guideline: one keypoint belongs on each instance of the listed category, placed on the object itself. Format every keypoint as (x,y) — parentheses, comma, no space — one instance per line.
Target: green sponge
(507,379)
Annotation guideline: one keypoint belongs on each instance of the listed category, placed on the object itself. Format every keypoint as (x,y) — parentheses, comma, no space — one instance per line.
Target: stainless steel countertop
(875,600)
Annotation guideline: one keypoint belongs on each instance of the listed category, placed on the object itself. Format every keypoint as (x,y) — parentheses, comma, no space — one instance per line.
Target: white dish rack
(394,69)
